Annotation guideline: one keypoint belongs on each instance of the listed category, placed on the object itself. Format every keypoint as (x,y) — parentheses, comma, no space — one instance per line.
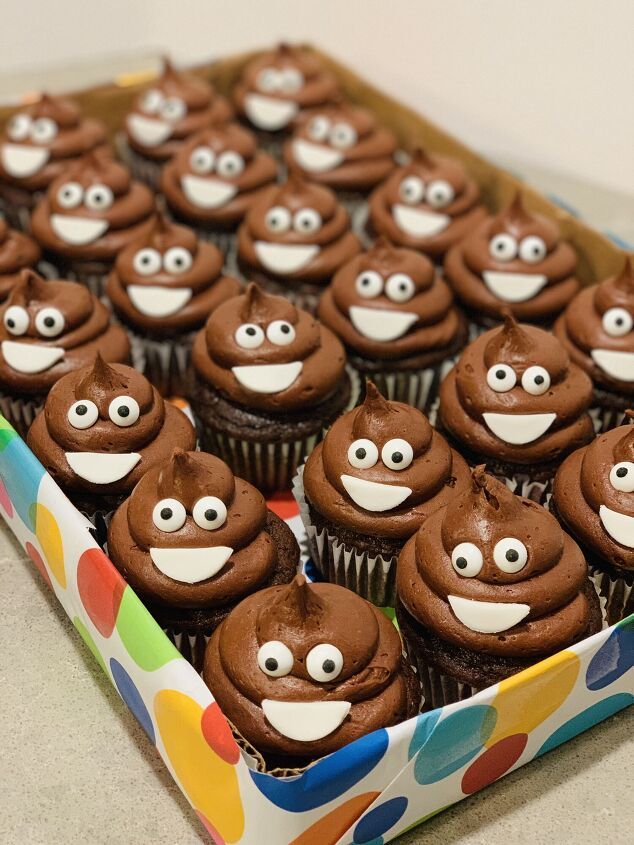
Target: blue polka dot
(22,486)
(590,717)
(130,694)
(425,725)
(378,821)
(614,658)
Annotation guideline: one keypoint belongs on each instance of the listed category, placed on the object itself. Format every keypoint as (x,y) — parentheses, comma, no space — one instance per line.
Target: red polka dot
(218,734)
(283,505)
(36,557)
(5,501)
(100,589)
(495,762)
(216,838)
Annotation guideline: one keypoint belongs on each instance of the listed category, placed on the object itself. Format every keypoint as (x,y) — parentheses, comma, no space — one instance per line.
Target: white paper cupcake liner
(95,282)
(418,388)
(20,413)
(605,419)
(615,594)
(165,362)
(191,646)
(438,689)
(140,167)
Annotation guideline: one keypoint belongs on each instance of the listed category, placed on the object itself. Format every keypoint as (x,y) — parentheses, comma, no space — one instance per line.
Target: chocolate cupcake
(267,379)
(294,239)
(597,329)
(516,401)
(39,142)
(102,427)
(193,540)
(364,491)
(515,262)
(163,288)
(90,213)
(489,585)
(17,252)
(396,317)
(304,669)
(428,205)
(593,498)
(47,330)
(164,116)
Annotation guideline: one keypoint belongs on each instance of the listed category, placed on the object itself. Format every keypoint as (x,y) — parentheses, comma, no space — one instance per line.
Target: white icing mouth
(189,566)
(316,158)
(157,300)
(30,357)
(269,113)
(148,131)
(373,496)
(619,526)
(207,193)
(285,258)
(102,467)
(381,324)
(419,223)
(488,617)
(305,721)
(20,161)
(518,429)
(77,230)
(268,378)
(619,365)
(514,287)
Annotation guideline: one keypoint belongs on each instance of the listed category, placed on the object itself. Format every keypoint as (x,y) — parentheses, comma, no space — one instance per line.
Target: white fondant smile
(373,496)
(419,223)
(305,721)
(619,365)
(285,258)
(30,357)
(77,230)
(157,300)
(380,323)
(20,161)
(148,130)
(268,378)
(269,113)
(207,192)
(619,526)
(102,467)
(190,566)
(514,287)
(488,617)
(518,429)
(316,158)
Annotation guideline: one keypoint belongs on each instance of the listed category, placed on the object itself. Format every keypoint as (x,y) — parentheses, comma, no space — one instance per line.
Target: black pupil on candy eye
(49,321)
(271,664)
(80,410)
(211,514)
(621,472)
(500,374)
(178,261)
(397,457)
(619,321)
(145,259)
(285,329)
(11,323)
(461,562)
(123,411)
(328,666)
(539,379)
(403,286)
(361,453)
(250,331)
(512,555)
(365,281)
(166,513)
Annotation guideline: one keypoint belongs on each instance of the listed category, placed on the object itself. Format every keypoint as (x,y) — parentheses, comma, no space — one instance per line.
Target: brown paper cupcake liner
(20,412)
(163,362)
(418,388)
(141,168)
(616,594)
(16,206)
(94,281)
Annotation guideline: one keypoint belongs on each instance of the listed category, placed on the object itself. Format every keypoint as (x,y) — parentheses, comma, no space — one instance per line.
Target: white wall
(546,81)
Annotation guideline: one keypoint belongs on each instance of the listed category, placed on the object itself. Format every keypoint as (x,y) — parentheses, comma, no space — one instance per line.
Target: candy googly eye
(318,128)
(83,414)
(510,555)
(124,411)
(281,332)
(503,247)
(44,130)
(202,160)
(532,249)
(249,336)
(369,284)
(230,164)
(307,220)
(324,663)
(291,80)
(173,109)
(622,477)
(397,454)
(275,659)
(467,560)
(151,101)
(19,127)
(278,219)
(16,320)
(439,193)
(99,197)
(70,195)
(400,287)
(536,380)
(177,260)
(147,262)
(269,80)
(343,136)
(169,515)
(617,322)
(49,322)
(363,454)
(412,190)
(501,378)
(210,513)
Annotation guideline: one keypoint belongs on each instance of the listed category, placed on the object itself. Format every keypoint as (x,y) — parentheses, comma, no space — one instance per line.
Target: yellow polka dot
(50,539)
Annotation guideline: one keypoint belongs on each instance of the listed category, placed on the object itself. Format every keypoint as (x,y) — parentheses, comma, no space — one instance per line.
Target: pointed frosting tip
(625,279)
(373,397)
(486,485)
(421,156)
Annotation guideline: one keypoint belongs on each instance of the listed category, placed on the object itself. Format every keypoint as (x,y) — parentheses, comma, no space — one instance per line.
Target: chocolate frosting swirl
(216,175)
(440,584)
(296,232)
(295,352)
(183,285)
(593,494)
(42,139)
(393,433)
(530,270)
(390,304)
(146,442)
(17,251)
(92,210)
(51,328)
(175,107)
(597,329)
(535,389)
(429,204)
(342,146)
(301,617)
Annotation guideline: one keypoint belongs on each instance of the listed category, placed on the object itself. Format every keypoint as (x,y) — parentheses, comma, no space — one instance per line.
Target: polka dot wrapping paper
(365,794)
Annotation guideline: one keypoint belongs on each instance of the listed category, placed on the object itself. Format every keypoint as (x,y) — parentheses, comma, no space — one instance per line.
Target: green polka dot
(84,634)
(144,641)
(7,433)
